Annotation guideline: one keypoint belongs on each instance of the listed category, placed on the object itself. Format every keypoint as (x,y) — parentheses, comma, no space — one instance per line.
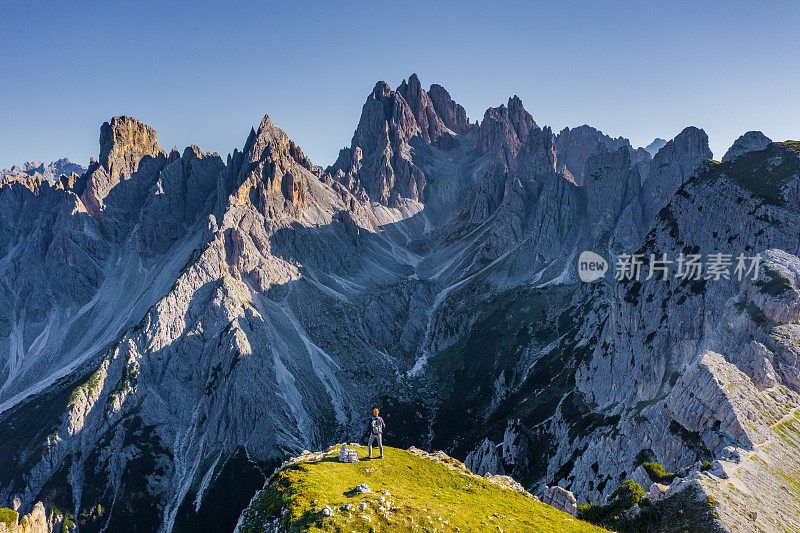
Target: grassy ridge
(417,494)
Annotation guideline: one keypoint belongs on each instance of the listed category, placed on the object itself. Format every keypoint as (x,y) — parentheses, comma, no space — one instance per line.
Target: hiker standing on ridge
(375,429)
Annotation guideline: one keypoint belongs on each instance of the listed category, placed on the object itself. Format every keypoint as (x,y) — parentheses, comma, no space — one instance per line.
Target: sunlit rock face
(170,322)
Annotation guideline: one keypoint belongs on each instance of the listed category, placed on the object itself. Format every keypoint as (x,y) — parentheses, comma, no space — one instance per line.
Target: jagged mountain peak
(50,172)
(428,120)
(271,165)
(452,114)
(125,140)
(381,90)
(575,145)
(657,144)
(690,139)
(378,162)
(506,127)
(691,135)
(672,166)
(747,142)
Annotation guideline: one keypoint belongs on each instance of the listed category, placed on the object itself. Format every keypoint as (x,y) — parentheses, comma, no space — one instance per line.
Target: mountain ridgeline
(174,325)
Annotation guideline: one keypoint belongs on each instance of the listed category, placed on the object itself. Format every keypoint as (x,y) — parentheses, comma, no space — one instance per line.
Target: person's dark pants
(372,437)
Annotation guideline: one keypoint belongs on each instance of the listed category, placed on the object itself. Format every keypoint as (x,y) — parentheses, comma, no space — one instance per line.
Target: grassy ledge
(8,517)
(409,493)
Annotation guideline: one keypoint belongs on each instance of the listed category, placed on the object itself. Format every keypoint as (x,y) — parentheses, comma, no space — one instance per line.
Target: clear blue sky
(203,73)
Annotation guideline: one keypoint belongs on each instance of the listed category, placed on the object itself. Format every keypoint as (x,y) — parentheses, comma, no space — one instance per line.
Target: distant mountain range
(174,325)
(49,172)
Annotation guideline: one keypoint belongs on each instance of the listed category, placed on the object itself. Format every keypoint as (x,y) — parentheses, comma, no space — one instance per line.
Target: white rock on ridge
(484,459)
(561,499)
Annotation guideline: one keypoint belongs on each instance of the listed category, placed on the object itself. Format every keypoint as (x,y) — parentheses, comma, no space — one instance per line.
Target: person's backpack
(376,425)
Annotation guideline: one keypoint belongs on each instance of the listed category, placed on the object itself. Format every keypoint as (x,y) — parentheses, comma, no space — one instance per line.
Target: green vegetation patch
(424,495)
(763,173)
(8,516)
(687,511)
(656,472)
(613,515)
(776,285)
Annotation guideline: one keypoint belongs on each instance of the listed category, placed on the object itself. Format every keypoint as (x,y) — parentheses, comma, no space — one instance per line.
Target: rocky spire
(378,161)
(273,169)
(671,167)
(537,155)
(749,142)
(430,124)
(452,114)
(124,143)
(521,120)
(506,128)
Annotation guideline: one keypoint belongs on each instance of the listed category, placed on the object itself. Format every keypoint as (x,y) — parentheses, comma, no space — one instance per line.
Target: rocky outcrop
(671,167)
(125,144)
(485,459)
(451,114)
(748,142)
(574,147)
(719,415)
(34,522)
(561,499)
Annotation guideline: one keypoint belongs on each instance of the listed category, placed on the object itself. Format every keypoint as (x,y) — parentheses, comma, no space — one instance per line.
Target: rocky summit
(175,325)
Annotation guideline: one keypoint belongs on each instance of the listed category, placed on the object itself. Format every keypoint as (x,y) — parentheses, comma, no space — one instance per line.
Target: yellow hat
(375,412)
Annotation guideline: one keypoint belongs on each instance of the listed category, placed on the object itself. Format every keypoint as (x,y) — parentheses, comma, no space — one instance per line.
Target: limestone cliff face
(453,115)
(505,129)
(575,146)
(671,167)
(169,322)
(379,160)
(124,143)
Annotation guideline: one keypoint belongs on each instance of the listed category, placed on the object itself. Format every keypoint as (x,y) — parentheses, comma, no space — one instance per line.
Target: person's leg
(369,445)
(380,443)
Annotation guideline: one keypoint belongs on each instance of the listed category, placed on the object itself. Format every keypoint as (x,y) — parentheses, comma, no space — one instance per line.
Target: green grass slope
(8,517)
(409,493)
